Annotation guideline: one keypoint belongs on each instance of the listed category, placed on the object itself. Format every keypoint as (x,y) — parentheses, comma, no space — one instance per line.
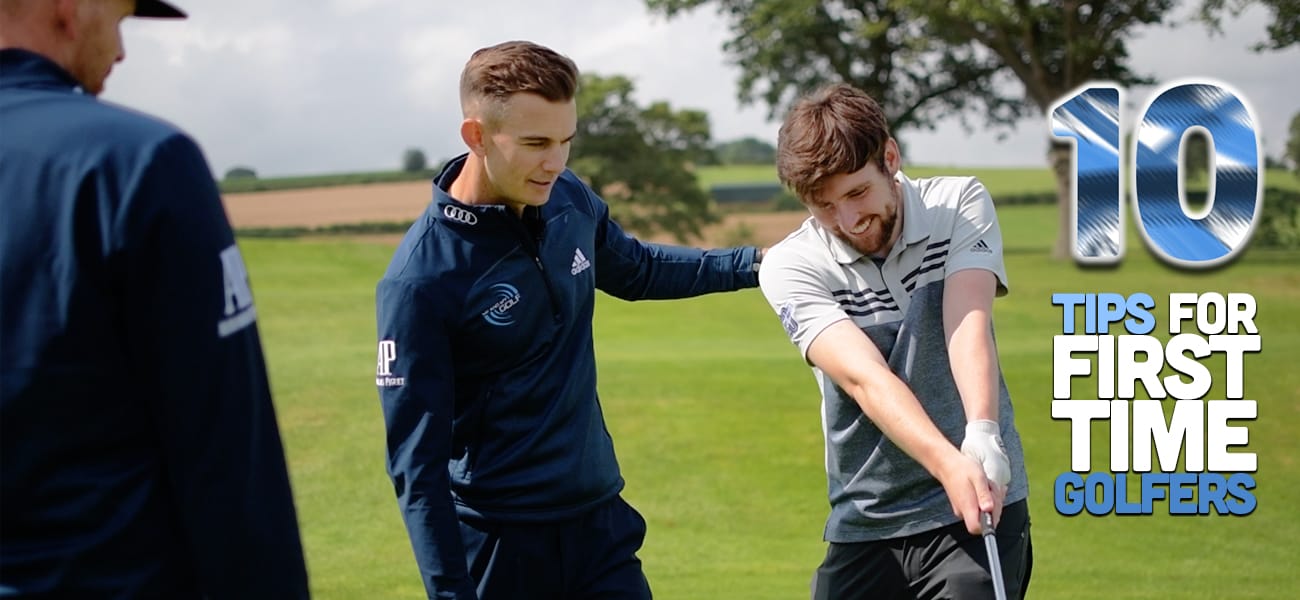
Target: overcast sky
(318,86)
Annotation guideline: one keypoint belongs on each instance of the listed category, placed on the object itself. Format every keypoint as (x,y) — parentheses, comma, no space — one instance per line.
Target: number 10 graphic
(1091,118)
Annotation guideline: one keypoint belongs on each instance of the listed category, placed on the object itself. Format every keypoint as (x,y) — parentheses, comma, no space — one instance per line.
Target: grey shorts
(944,564)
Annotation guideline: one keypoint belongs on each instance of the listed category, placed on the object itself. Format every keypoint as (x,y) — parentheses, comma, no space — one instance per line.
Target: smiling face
(525,147)
(862,208)
(835,152)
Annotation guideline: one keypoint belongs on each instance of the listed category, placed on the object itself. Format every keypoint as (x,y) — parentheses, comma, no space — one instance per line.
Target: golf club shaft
(995,561)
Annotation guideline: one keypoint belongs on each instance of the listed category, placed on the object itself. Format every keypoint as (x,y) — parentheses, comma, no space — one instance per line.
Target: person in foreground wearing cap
(139,451)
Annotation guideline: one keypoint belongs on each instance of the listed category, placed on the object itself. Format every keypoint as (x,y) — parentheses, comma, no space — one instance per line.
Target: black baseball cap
(157,9)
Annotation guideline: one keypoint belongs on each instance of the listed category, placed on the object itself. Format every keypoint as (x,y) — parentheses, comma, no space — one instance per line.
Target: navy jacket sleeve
(630,269)
(416,390)
(192,334)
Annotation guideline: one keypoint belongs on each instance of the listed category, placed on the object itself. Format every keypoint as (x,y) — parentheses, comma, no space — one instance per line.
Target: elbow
(867,395)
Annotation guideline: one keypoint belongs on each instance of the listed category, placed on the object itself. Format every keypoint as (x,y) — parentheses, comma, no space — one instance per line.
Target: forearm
(416,391)
(417,465)
(967,304)
(968,329)
(975,367)
(634,270)
(892,406)
(192,336)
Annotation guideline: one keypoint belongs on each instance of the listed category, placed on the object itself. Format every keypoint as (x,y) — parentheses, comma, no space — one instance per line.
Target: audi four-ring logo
(457,213)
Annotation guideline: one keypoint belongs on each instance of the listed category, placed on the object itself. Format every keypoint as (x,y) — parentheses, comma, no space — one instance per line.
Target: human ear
(893,157)
(67,18)
(471,132)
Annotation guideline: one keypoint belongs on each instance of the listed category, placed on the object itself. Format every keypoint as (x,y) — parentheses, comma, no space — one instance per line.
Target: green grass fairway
(716,422)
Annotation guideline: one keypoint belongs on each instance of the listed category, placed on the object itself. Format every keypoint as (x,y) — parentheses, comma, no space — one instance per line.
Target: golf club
(995,561)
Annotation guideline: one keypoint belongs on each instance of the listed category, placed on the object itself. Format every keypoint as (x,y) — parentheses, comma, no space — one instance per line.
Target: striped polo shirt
(812,280)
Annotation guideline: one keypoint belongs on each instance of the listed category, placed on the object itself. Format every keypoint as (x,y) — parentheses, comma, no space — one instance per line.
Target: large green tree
(641,159)
(1053,47)
(925,59)
(787,47)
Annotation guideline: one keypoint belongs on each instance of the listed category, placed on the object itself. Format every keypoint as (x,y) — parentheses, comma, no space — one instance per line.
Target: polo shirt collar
(916,222)
(915,226)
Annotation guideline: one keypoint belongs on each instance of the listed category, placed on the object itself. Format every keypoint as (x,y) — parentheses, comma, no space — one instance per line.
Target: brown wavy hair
(835,129)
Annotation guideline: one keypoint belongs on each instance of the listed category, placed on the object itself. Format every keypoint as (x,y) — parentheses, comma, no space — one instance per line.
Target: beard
(875,239)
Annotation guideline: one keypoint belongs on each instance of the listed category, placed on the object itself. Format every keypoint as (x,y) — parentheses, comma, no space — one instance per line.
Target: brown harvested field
(397,202)
(766,228)
(314,207)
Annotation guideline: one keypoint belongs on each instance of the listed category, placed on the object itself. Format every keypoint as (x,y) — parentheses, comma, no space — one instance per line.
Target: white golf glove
(983,444)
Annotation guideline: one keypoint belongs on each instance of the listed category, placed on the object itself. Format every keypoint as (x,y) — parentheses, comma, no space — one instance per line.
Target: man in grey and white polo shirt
(888,291)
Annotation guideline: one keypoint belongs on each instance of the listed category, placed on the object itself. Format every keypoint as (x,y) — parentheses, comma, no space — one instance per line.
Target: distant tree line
(414,161)
(745,151)
(240,172)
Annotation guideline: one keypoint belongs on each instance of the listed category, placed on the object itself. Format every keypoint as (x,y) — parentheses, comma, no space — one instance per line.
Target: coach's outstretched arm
(631,269)
(193,336)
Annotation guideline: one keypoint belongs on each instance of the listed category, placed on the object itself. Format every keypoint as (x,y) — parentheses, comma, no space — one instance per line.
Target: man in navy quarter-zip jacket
(497,448)
(139,452)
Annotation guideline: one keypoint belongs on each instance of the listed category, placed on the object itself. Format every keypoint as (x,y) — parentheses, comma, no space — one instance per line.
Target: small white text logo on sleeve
(239,312)
(384,371)
(788,321)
